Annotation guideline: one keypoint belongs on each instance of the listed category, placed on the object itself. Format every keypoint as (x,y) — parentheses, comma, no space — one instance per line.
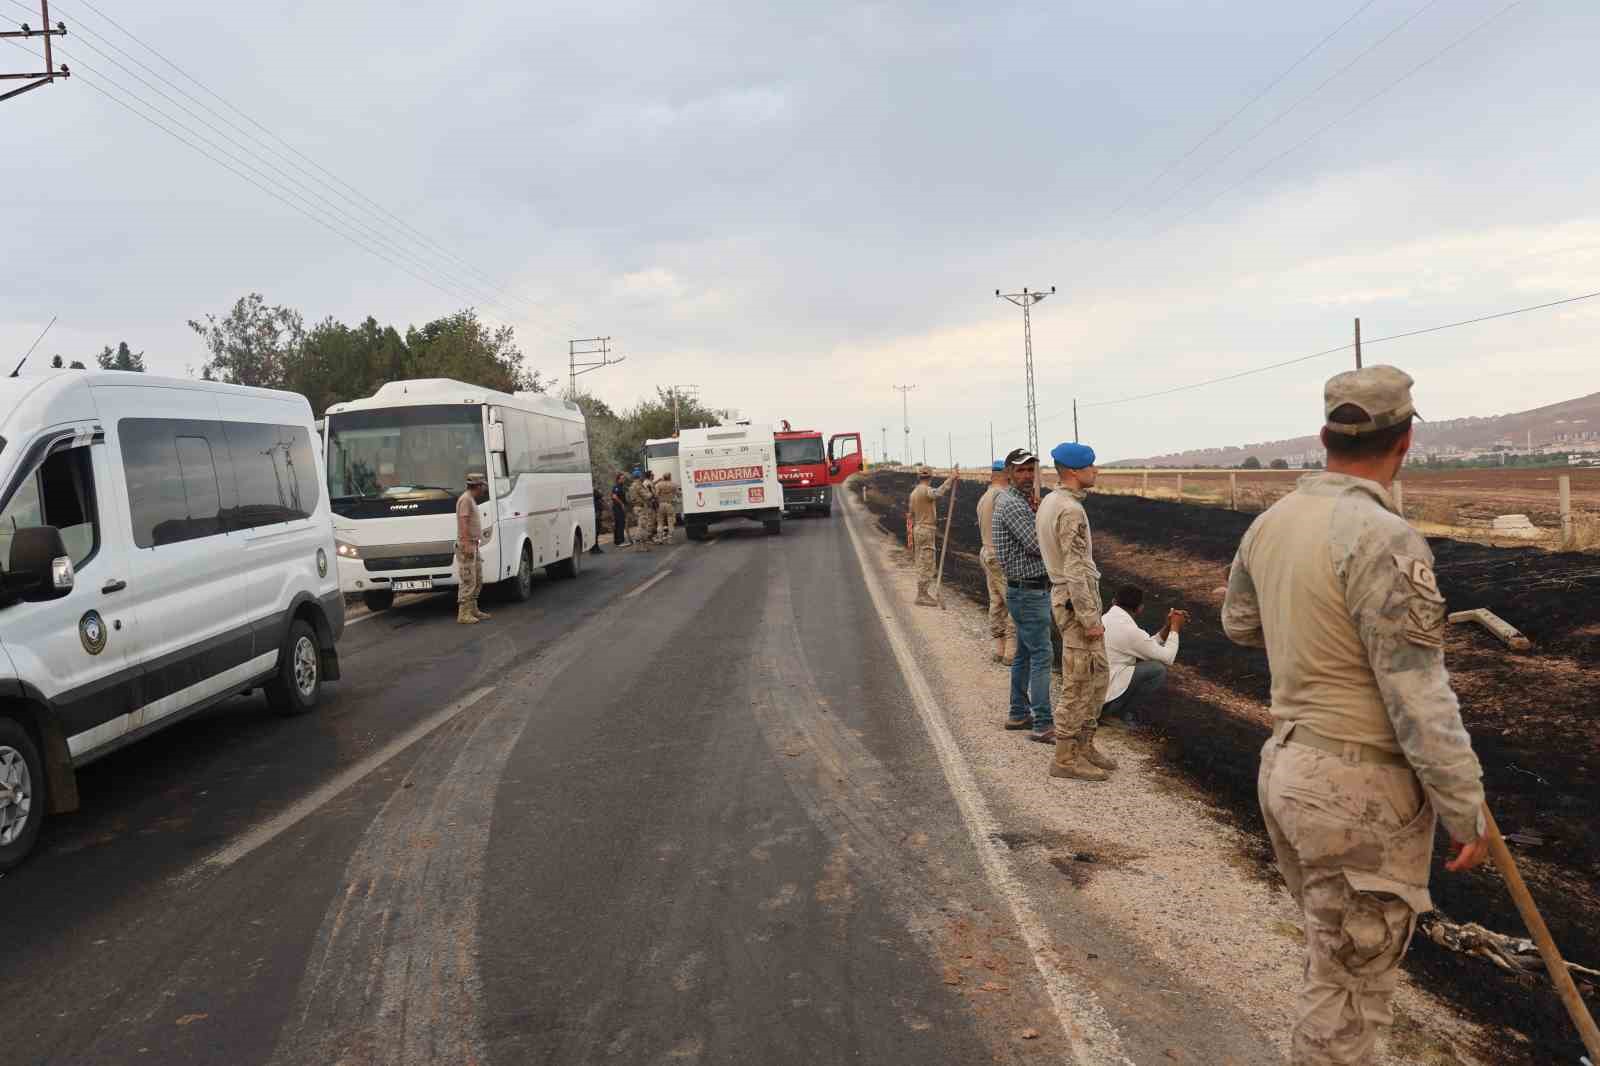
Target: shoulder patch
(1425,609)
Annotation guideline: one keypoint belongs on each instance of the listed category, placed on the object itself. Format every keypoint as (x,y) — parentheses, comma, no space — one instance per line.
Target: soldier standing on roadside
(924,508)
(1000,624)
(667,508)
(470,536)
(1367,746)
(619,511)
(641,498)
(1068,550)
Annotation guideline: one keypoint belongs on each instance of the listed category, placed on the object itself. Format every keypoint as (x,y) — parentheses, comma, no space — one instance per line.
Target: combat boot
(465,619)
(1093,754)
(923,599)
(1069,761)
(479,613)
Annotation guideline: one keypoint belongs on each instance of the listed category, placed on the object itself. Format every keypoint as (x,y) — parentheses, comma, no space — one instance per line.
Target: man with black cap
(1000,627)
(1016,545)
(1367,748)
(1068,549)
(470,536)
(924,508)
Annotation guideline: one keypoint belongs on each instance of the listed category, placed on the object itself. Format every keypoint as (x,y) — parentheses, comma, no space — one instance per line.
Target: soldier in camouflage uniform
(1068,550)
(924,508)
(666,508)
(470,536)
(642,498)
(1367,748)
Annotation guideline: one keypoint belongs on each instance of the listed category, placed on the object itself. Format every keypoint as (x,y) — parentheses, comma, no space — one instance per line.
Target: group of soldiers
(650,502)
(1368,750)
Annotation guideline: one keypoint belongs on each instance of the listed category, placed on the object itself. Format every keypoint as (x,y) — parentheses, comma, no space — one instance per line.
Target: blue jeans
(1030,668)
(1148,677)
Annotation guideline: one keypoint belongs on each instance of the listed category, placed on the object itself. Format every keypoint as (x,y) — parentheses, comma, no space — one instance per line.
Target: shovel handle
(1560,976)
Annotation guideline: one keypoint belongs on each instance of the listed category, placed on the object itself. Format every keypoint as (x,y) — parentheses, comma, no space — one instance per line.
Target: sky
(798,207)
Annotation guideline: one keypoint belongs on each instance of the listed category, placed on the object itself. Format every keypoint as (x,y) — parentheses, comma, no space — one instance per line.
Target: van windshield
(799,450)
(416,452)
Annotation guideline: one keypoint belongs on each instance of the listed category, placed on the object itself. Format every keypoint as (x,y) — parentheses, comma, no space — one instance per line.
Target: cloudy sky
(797,207)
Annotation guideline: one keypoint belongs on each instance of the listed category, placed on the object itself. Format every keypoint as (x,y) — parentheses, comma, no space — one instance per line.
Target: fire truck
(808,471)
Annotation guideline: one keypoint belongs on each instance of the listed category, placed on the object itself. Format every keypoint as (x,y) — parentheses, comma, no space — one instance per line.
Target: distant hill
(1571,423)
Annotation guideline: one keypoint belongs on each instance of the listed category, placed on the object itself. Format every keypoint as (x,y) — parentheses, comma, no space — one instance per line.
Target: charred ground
(1533,719)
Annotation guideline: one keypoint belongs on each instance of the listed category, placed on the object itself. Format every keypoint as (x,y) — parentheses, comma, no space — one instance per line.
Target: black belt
(1030,583)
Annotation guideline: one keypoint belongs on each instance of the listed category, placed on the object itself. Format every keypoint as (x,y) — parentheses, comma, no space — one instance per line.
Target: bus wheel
(569,568)
(521,585)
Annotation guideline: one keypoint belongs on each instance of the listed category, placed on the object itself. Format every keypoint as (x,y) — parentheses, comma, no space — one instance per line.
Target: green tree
(1250,463)
(1279,464)
(338,362)
(120,359)
(253,344)
(459,346)
(56,363)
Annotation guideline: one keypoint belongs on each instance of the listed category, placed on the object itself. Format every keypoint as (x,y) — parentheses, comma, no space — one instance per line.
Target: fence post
(1400,498)
(1565,483)
(1144,486)
(1233,491)
(1180,488)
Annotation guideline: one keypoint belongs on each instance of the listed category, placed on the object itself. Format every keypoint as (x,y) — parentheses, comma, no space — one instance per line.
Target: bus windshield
(425,451)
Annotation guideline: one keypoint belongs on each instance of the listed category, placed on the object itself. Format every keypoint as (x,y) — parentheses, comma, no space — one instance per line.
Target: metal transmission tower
(1025,300)
(905,418)
(588,347)
(50,73)
(677,391)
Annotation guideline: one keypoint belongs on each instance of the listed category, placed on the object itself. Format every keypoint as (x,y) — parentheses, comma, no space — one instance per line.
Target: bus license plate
(420,585)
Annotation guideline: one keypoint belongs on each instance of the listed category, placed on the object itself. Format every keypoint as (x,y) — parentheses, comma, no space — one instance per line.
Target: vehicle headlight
(347,551)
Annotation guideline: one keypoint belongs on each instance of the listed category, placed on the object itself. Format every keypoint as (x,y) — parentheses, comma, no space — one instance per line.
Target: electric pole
(885,453)
(51,72)
(588,347)
(677,391)
(905,419)
(1074,420)
(1025,300)
(1358,344)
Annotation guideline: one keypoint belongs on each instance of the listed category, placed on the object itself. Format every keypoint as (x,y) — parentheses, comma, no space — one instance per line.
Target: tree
(1279,464)
(253,344)
(460,346)
(56,363)
(1250,463)
(121,359)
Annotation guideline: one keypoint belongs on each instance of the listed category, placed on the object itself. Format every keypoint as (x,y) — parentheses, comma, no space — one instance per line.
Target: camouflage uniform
(924,509)
(640,497)
(1000,624)
(667,508)
(1367,745)
(1067,546)
(469,537)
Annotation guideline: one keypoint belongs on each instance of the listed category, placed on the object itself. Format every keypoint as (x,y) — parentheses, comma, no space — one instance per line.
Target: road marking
(1088,1032)
(647,585)
(287,819)
(357,621)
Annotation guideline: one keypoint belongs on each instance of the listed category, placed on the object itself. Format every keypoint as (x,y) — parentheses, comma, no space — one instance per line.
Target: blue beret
(1073,456)
(637,472)
(998,466)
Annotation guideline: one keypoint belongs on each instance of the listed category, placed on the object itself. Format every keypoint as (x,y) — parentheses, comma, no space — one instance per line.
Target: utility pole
(1358,344)
(50,72)
(885,453)
(588,347)
(905,419)
(1025,300)
(677,391)
(1074,420)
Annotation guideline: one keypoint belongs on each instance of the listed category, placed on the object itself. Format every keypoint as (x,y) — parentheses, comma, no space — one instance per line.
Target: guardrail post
(1233,491)
(1180,488)
(1565,484)
(1144,485)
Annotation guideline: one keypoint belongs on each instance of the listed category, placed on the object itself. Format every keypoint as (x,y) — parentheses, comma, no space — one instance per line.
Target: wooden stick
(1557,967)
(950,515)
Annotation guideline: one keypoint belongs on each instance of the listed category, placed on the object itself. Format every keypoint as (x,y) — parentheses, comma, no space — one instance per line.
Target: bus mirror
(497,437)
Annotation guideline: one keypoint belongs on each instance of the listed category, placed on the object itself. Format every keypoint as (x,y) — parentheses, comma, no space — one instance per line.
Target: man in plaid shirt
(1016,545)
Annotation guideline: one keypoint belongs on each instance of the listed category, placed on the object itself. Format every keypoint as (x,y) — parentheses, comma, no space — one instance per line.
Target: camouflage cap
(475,477)
(924,470)
(1383,394)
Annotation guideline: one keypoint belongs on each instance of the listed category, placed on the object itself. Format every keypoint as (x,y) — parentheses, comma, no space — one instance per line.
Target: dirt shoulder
(1539,763)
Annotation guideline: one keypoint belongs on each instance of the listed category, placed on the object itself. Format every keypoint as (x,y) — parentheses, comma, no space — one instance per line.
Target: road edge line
(289,817)
(1077,1009)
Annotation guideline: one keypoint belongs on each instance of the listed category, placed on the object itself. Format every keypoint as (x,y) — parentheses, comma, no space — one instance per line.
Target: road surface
(683,809)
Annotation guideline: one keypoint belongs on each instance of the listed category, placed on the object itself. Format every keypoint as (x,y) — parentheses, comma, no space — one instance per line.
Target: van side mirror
(497,437)
(41,569)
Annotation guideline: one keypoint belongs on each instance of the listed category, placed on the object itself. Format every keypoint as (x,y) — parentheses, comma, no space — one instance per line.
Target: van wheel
(378,599)
(521,584)
(22,793)
(298,685)
(774,526)
(567,569)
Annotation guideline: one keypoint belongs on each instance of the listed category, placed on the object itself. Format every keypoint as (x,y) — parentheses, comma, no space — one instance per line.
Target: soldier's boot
(1092,753)
(923,599)
(1009,656)
(479,613)
(1070,762)
(465,617)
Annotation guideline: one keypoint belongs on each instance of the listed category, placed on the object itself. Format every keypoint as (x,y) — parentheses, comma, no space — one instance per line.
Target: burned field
(1533,717)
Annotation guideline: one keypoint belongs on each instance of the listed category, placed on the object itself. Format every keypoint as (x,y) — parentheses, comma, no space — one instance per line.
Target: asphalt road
(678,810)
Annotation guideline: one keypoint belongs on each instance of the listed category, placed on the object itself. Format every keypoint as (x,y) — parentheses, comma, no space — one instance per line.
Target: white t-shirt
(1126,644)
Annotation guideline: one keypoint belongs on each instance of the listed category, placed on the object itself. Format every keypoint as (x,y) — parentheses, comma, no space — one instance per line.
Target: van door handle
(114,585)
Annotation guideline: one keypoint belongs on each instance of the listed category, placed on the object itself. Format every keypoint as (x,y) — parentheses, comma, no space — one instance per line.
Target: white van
(166,544)
(398,461)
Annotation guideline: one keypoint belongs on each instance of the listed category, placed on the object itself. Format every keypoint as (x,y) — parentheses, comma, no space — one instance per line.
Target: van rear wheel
(22,793)
(297,687)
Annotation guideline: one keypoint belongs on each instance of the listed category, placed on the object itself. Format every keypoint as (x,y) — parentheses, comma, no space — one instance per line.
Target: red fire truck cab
(808,471)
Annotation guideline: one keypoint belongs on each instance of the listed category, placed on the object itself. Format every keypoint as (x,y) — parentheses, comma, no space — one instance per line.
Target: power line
(1366,342)
(423,238)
